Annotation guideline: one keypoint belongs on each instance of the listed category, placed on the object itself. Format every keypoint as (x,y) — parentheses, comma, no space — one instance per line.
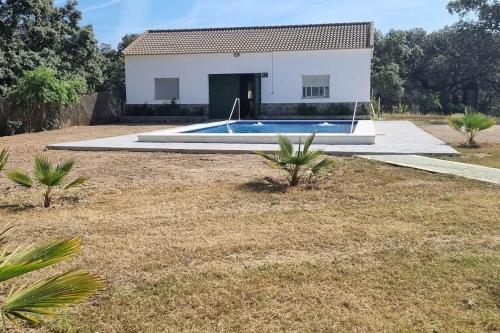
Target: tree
(30,302)
(114,65)
(294,161)
(41,88)
(397,57)
(388,84)
(37,33)
(440,71)
(126,41)
(486,11)
(461,60)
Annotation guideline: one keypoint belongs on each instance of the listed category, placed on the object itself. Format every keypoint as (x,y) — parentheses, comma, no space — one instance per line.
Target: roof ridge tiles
(306,37)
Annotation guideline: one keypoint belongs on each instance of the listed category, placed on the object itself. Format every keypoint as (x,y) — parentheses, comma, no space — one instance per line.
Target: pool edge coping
(364,133)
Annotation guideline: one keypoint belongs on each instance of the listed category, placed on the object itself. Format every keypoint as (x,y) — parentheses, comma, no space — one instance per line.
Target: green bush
(51,121)
(431,103)
(401,108)
(15,127)
(456,108)
(41,89)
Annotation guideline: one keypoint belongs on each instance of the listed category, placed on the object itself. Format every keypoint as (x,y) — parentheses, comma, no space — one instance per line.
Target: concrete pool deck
(393,138)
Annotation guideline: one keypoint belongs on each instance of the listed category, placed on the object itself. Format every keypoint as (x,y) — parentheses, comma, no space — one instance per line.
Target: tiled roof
(254,39)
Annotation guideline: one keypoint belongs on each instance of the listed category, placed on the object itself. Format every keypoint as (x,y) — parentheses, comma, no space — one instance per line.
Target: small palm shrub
(296,163)
(48,175)
(4,156)
(470,124)
(30,302)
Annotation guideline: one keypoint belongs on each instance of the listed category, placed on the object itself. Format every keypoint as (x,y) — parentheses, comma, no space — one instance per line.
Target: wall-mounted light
(236,54)
(264,74)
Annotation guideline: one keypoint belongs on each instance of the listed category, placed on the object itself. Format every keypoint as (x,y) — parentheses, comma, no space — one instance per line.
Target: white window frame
(315,91)
(157,98)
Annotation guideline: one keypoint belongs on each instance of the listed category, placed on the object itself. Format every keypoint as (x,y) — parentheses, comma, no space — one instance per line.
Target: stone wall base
(165,113)
(162,120)
(166,110)
(313,110)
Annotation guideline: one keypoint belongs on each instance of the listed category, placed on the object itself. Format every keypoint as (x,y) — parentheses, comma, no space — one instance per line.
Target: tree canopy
(41,87)
(432,72)
(114,65)
(37,33)
(486,11)
(446,69)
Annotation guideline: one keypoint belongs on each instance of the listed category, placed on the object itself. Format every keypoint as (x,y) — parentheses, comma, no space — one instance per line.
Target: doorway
(225,88)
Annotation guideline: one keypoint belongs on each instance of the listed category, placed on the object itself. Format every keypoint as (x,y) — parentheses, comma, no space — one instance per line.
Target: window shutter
(166,89)
(315,86)
(316,81)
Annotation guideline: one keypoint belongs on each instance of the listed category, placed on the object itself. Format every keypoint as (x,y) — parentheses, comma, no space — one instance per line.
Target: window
(167,89)
(316,86)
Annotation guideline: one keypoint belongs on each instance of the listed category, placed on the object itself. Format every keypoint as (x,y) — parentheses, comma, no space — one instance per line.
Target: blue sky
(114,18)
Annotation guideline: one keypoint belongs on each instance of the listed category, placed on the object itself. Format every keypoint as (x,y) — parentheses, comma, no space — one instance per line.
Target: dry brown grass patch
(206,243)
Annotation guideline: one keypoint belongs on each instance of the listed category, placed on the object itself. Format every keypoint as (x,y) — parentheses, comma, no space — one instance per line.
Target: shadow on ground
(266,184)
(17,208)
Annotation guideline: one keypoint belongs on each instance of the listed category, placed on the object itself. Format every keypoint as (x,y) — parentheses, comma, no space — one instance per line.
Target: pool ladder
(236,101)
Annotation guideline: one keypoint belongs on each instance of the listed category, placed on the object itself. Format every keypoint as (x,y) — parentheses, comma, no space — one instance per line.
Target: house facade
(276,72)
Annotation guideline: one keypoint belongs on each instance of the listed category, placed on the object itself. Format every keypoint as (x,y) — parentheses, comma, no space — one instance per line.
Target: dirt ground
(488,154)
(446,133)
(216,243)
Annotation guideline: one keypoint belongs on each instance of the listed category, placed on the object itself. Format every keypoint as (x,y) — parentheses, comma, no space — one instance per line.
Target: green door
(258,90)
(223,90)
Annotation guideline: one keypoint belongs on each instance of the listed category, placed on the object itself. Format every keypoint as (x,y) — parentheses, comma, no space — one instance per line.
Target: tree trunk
(47,198)
(294,181)
(471,138)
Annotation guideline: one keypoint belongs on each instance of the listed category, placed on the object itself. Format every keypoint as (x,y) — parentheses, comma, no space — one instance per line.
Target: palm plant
(4,156)
(49,175)
(294,161)
(470,124)
(30,302)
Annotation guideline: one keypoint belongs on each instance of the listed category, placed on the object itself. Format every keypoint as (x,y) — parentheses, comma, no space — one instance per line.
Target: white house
(273,70)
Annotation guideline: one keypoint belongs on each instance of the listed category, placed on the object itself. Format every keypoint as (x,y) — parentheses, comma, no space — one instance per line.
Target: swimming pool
(279,127)
(266,132)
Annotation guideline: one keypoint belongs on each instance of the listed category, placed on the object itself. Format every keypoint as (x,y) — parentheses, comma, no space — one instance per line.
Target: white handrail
(357,100)
(236,100)
(354,116)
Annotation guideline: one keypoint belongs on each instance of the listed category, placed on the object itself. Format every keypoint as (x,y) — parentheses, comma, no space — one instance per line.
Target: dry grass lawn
(204,243)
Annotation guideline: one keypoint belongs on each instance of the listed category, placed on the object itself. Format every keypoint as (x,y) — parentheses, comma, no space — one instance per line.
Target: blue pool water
(282,127)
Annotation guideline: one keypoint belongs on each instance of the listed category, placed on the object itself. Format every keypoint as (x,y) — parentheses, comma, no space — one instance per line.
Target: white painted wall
(349,72)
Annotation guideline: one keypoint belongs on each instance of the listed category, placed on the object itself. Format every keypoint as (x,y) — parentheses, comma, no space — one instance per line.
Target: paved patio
(393,137)
(477,172)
